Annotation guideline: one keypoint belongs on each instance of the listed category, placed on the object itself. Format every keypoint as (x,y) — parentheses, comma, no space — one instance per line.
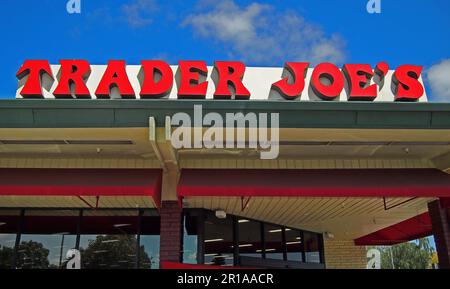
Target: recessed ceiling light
(245,245)
(275,231)
(213,240)
(121,225)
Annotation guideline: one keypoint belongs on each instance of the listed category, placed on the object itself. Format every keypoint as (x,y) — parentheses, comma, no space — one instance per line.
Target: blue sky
(264,33)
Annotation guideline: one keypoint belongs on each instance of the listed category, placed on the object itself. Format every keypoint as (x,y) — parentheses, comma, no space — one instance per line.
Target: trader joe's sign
(155,79)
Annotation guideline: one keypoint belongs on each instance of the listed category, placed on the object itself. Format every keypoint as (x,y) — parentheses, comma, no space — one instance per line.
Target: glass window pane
(218,241)
(190,239)
(312,252)
(273,238)
(9,220)
(46,238)
(249,238)
(108,239)
(150,230)
(150,248)
(293,245)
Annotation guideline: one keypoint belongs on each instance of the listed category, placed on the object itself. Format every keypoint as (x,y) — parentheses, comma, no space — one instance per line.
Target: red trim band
(315,183)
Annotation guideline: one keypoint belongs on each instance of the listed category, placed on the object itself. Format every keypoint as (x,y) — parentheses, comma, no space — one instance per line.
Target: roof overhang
(46,113)
(413,228)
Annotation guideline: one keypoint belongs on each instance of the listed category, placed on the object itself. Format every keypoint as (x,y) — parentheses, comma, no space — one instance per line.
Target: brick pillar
(440,222)
(170,236)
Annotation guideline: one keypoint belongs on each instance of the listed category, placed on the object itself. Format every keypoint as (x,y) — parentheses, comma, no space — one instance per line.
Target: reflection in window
(149,258)
(46,238)
(9,220)
(218,241)
(109,241)
(293,245)
(190,239)
(150,228)
(273,236)
(249,238)
(312,250)
(108,251)
(108,238)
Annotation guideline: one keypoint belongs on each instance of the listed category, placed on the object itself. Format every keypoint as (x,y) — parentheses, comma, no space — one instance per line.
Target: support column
(170,236)
(440,223)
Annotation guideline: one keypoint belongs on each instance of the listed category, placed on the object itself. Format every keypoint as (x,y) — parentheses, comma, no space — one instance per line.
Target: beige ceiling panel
(346,218)
(75,202)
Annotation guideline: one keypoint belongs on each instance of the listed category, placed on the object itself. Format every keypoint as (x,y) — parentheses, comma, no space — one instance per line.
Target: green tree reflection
(113,252)
(6,257)
(33,255)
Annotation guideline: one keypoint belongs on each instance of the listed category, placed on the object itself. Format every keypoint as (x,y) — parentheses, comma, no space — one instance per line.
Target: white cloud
(139,13)
(260,34)
(438,77)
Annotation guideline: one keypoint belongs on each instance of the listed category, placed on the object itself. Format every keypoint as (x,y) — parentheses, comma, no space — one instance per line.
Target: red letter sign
(407,87)
(381,70)
(73,72)
(115,76)
(190,86)
(359,75)
(35,70)
(152,89)
(291,91)
(332,74)
(230,73)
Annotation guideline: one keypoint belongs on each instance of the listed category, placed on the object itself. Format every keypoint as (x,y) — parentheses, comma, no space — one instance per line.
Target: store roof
(45,113)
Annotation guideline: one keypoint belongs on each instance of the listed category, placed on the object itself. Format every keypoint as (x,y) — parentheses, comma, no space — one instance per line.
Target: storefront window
(120,239)
(218,241)
(109,240)
(312,247)
(149,241)
(249,238)
(294,245)
(190,239)
(149,257)
(46,237)
(254,239)
(9,221)
(273,236)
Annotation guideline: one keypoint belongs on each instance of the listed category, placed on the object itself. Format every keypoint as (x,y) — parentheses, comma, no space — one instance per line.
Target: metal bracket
(244,203)
(386,208)
(97,199)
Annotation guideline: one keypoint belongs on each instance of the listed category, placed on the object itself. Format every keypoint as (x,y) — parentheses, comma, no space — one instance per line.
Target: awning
(314,182)
(410,229)
(414,228)
(81,182)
